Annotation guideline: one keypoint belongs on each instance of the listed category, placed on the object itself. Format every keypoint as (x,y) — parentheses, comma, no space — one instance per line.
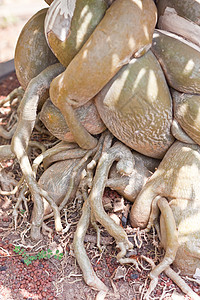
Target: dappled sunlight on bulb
(146,32)
(139,77)
(83,29)
(152,87)
(189,67)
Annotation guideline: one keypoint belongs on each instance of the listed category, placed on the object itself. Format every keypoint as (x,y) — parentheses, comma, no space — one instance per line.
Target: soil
(62,279)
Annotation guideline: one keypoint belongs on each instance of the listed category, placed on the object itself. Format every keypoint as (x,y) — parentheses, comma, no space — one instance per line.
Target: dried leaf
(120,273)
(119,205)
(58,18)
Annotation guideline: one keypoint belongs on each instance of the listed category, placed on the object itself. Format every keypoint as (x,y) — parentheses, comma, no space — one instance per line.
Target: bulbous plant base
(95,159)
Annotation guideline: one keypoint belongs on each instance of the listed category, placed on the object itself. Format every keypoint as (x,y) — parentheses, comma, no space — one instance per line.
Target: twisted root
(27,117)
(162,204)
(93,208)
(174,277)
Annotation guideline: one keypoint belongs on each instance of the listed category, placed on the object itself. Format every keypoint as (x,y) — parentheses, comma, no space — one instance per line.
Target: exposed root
(125,163)
(14,191)
(172,241)
(67,223)
(51,155)
(83,138)
(181,283)
(69,153)
(36,144)
(174,277)
(56,212)
(124,157)
(72,180)
(46,230)
(160,203)
(98,232)
(7,135)
(12,181)
(104,143)
(126,260)
(17,93)
(21,198)
(88,273)
(154,217)
(79,152)
(20,140)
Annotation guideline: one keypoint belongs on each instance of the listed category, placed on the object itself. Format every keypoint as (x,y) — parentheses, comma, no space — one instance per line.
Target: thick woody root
(93,209)
(89,275)
(175,278)
(21,203)
(125,164)
(67,161)
(63,146)
(7,182)
(64,151)
(161,204)
(27,118)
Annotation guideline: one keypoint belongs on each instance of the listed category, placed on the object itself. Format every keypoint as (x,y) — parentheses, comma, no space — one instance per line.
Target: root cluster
(95,167)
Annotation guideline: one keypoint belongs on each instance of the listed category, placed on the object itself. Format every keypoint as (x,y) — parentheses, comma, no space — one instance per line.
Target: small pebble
(134,276)
(124,221)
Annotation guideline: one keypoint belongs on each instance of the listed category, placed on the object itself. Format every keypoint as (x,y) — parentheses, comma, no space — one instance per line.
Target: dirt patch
(62,279)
